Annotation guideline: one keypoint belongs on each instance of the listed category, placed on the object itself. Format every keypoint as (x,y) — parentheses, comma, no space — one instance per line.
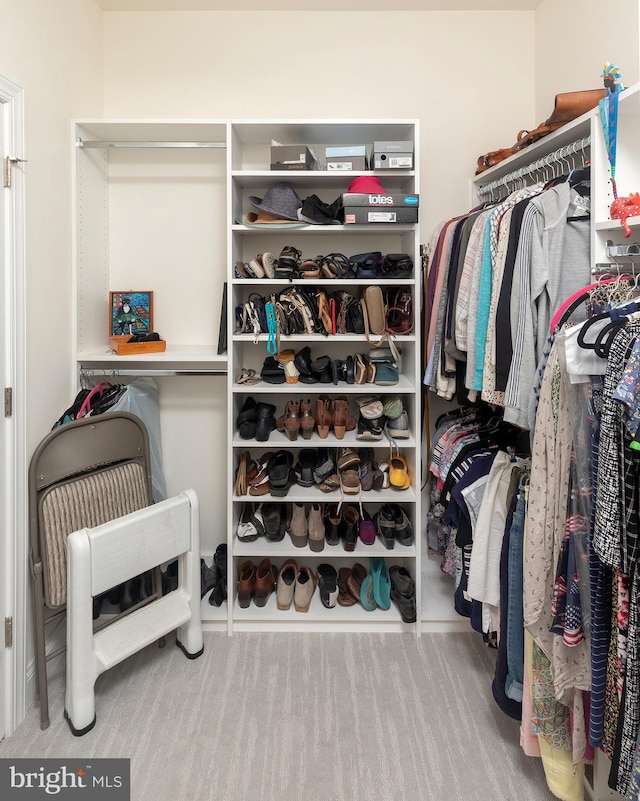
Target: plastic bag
(142,399)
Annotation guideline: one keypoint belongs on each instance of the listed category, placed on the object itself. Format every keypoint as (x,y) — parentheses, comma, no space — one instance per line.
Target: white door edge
(14,539)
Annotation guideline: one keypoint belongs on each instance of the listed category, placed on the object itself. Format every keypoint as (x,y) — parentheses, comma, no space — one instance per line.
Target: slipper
(366,530)
(399,472)
(381,583)
(355,579)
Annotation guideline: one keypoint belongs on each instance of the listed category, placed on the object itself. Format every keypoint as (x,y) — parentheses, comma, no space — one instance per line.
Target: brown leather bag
(492,158)
(568,106)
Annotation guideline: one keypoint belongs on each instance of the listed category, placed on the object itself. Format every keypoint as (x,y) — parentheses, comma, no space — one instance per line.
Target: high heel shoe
(307,421)
(343,420)
(324,414)
(290,420)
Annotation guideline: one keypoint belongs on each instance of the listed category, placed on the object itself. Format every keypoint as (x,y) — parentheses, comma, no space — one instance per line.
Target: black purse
(397,265)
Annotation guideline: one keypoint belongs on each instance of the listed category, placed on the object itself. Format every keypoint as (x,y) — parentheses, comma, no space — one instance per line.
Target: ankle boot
(307,421)
(266,421)
(316,528)
(298,527)
(323,415)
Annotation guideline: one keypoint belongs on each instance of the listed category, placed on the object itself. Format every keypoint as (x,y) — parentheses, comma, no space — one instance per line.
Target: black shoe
(302,361)
(328,585)
(403,592)
(337,370)
(321,369)
(265,422)
(332,521)
(247,418)
(370,429)
(219,593)
(207,578)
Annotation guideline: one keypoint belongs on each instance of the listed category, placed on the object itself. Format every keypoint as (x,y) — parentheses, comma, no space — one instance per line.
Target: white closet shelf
(317,613)
(616,225)
(314,495)
(349,439)
(261,548)
(327,283)
(365,229)
(178,358)
(404,386)
(338,339)
(341,179)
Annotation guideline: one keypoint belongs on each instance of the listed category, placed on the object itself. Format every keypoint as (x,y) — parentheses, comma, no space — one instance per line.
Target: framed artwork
(130,313)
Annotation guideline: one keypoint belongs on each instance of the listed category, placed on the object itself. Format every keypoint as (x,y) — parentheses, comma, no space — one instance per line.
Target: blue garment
(515,612)
(484,302)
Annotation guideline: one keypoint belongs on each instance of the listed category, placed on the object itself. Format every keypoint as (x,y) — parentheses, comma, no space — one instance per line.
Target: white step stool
(104,557)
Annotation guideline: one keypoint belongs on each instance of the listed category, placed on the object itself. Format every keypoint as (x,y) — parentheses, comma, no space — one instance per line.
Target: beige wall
(52,50)
(438,66)
(574,38)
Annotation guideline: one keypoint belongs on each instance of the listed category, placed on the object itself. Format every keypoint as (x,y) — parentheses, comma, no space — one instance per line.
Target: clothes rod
(83,143)
(561,155)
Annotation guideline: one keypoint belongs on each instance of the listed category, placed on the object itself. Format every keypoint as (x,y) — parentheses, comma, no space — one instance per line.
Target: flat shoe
(381,583)
(355,579)
(399,472)
(345,598)
(328,585)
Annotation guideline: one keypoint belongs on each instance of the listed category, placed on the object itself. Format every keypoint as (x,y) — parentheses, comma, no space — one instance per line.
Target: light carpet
(301,717)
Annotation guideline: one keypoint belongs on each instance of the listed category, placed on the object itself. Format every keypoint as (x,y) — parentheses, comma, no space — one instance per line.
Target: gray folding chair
(83,474)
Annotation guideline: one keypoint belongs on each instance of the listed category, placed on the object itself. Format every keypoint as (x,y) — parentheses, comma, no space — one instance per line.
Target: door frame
(13,364)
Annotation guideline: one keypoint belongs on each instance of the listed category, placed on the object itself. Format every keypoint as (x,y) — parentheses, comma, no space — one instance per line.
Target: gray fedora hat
(280,200)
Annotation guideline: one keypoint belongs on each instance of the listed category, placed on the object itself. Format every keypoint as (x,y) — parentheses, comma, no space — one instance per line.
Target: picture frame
(130,312)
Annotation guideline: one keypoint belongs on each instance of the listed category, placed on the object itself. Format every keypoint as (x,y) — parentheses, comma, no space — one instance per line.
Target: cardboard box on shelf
(123,347)
(380,208)
(291,157)
(390,155)
(347,157)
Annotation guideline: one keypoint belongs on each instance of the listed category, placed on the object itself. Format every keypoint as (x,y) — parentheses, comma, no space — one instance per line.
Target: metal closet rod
(559,155)
(100,143)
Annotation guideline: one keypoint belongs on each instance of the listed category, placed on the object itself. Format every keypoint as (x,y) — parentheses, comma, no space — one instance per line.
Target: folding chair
(82,475)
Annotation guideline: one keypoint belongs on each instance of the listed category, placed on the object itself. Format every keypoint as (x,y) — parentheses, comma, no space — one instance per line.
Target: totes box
(381,207)
(392,156)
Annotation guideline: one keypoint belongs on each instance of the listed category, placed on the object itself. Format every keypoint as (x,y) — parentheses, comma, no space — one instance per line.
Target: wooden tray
(124,348)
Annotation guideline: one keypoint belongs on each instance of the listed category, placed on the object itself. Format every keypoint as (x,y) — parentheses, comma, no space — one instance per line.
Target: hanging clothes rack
(564,156)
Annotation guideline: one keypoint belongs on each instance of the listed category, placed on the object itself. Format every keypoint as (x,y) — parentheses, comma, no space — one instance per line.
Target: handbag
(397,265)
(387,368)
(366,265)
(399,310)
(567,107)
(373,309)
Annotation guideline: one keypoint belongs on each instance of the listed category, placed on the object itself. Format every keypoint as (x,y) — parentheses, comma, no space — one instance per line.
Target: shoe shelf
(318,618)
(248,177)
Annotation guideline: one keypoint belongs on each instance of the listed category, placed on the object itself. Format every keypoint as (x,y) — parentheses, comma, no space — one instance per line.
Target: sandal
(311,268)
(345,598)
(381,583)
(259,484)
(280,474)
(336,265)
(354,581)
(240,487)
(288,262)
(247,376)
(304,468)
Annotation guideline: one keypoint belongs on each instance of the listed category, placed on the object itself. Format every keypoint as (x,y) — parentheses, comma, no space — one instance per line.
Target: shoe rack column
(310,495)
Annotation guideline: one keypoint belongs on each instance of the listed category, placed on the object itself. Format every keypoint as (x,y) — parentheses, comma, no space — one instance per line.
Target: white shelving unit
(249,157)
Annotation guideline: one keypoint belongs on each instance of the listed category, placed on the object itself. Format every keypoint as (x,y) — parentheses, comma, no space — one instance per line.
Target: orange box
(123,347)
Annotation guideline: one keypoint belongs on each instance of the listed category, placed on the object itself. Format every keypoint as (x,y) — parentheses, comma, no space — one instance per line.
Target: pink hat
(365,185)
